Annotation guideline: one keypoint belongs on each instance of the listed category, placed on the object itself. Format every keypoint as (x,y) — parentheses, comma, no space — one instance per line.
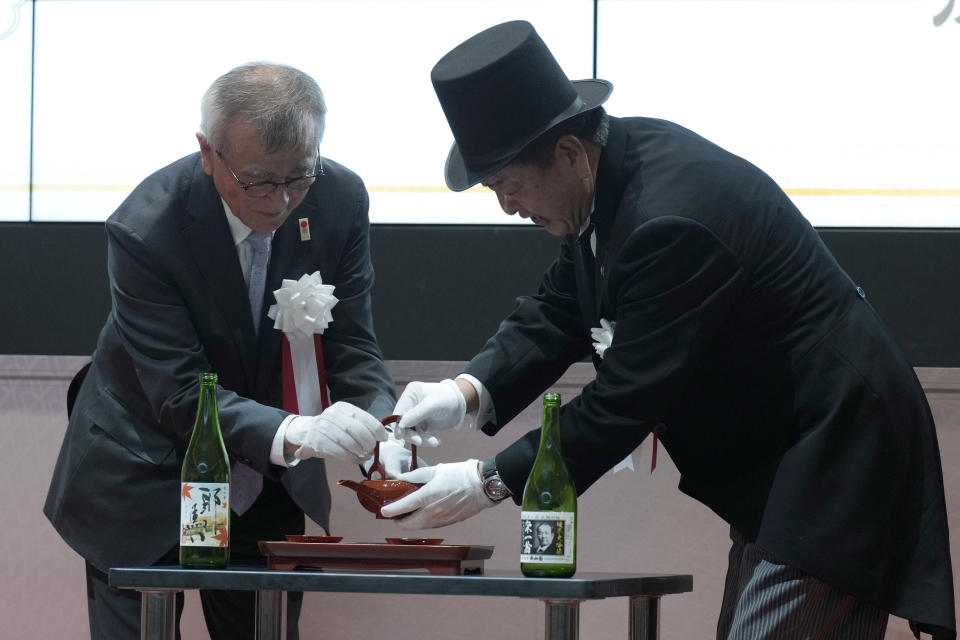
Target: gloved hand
(453,492)
(342,431)
(430,407)
(396,458)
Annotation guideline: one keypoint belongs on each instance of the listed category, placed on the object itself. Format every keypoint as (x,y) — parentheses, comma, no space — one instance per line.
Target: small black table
(562,596)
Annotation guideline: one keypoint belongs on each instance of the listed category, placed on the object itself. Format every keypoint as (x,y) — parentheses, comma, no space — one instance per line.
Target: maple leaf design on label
(185,493)
(223,537)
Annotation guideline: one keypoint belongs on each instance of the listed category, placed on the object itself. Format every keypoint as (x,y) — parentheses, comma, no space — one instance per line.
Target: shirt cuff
(484,412)
(276,450)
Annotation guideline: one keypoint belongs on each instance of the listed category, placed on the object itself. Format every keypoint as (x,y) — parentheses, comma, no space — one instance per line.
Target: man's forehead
(493,180)
(254,154)
(304,151)
(244,133)
(509,172)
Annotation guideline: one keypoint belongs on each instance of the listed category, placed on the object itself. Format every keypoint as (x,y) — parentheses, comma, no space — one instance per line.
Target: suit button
(861,293)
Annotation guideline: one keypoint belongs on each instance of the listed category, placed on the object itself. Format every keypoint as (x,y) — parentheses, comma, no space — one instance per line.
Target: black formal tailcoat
(179,308)
(785,403)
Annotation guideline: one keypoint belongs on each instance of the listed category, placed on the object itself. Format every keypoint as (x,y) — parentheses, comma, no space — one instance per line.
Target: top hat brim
(460,175)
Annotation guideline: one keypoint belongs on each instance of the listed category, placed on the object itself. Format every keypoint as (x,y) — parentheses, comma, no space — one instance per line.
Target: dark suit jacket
(180,308)
(786,405)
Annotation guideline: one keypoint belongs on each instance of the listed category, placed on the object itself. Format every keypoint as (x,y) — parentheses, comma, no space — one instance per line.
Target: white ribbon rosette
(303,306)
(302,313)
(602,336)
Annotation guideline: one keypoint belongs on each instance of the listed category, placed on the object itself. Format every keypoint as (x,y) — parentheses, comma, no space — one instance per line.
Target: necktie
(246,483)
(588,244)
(585,242)
(260,246)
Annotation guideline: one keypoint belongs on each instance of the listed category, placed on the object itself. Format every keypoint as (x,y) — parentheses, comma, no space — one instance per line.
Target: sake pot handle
(391,419)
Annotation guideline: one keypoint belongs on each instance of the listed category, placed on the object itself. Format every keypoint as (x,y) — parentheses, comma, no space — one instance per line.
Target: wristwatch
(493,486)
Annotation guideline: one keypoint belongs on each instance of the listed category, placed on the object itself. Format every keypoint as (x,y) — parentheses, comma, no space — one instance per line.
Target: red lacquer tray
(441,559)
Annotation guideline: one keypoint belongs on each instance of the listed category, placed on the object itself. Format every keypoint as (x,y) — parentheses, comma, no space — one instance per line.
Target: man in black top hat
(734,336)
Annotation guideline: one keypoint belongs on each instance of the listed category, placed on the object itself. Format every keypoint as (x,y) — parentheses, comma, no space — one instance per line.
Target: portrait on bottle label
(547,536)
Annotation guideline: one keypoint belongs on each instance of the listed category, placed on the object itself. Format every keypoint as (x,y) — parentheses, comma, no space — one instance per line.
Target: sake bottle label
(547,536)
(204,514)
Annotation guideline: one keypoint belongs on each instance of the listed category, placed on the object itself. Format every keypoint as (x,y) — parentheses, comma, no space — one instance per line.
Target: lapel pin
(304,229)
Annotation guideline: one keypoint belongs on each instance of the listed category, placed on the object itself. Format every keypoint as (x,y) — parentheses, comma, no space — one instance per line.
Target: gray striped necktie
(260,245)
(246,483)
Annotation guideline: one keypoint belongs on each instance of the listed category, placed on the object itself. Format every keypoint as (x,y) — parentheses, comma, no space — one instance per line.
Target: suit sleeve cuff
(484,412)
(276,450)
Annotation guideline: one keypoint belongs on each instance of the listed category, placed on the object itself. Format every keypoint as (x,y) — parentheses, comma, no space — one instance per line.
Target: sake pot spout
(360,488)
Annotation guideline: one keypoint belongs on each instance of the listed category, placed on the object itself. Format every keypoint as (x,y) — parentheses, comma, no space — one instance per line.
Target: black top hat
(500,90)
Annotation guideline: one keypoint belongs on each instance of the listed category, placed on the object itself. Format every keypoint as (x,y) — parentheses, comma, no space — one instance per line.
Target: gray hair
(603,129)
(592,125)
(285,104)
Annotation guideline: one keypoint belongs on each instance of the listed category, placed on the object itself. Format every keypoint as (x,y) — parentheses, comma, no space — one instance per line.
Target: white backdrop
(849,104)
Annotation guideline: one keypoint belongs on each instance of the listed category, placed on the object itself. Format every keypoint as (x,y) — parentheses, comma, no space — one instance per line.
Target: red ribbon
(289,387)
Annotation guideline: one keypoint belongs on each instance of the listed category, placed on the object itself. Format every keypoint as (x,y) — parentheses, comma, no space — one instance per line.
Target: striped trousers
(765,599)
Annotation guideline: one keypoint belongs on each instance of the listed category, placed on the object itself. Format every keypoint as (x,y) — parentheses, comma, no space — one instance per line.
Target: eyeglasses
(264,188)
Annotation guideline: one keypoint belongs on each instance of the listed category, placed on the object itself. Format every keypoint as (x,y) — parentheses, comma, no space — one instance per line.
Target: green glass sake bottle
(548,521)
(205,488)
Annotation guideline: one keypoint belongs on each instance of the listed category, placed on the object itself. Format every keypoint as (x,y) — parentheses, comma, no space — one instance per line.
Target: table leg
(644,617)
(270,615)
(562,621)
(158,615)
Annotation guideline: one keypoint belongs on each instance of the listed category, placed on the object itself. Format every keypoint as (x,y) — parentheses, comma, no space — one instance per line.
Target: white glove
(453,492)
(430,407)
(342,431)
(395,458)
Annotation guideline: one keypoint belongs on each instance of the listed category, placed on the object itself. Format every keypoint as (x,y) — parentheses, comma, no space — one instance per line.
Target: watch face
(495,489)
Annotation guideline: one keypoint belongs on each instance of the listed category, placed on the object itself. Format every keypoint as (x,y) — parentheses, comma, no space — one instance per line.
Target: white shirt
(240,231)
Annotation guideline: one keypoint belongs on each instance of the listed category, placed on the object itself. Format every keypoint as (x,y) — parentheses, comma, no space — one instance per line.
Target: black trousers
(114,614)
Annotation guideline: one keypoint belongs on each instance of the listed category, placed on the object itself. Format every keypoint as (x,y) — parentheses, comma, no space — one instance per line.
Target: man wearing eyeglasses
(195,253)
